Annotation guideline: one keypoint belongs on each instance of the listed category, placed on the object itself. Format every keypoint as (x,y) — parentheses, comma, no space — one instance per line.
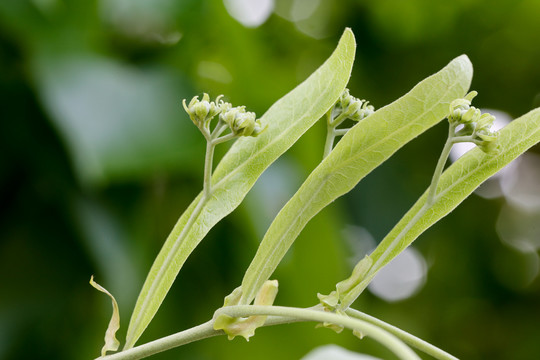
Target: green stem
(409,339)
(341,132)
(277,315)
(332,132)
(460,139)
(207,187)
(330,135)
(401,350)
(224,138)
(200,332)
(330,138)
(338,120)
(219,129)
(440,166)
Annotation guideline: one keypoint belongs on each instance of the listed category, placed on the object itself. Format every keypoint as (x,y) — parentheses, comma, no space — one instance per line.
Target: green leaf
(287,120)
(458,182)
(362,149)
(111,342)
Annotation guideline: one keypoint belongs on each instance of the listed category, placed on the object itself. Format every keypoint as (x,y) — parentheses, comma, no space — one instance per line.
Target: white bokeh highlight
(401,278)
(521,185)
(334,352)
(250,13)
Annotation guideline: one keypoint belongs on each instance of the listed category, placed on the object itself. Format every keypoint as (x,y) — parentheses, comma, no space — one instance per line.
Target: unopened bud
(201,111)
(241,122)
(354,108)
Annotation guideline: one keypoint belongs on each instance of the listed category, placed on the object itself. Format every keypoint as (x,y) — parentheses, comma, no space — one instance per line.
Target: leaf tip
(348,36)
(465,65)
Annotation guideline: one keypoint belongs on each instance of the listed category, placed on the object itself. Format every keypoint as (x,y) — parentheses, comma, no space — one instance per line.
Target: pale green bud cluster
(240,121)
(353,108)
(475,124)
(201,112)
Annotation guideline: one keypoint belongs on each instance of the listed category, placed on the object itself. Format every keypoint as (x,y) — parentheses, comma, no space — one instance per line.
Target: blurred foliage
(99,160)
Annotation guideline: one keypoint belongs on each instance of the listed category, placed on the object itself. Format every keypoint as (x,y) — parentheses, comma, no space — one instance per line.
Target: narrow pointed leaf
(362,149)
(287,120)
(111,342)
(459,181)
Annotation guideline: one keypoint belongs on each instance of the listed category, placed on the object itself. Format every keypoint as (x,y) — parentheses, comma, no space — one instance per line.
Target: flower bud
(363,111)
(202,111)
(345,99)
(476,125)
(224,106)
(487,140)
(470,115)
(354,108)
(461,111)
(485,122)
(241,122)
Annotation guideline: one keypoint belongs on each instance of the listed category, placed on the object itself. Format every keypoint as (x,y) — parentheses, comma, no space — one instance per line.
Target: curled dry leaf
(111,342)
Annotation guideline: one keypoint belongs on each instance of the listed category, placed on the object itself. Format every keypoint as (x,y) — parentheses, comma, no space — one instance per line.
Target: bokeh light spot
(401,278)
(335,352)
(250,13)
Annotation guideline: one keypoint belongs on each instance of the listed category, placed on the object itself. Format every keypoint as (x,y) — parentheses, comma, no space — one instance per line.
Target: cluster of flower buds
(353,108)
(474,123)
(240,121)
(201,112)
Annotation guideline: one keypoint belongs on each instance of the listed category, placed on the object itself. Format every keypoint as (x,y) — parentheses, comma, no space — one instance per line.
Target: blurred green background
(99,160)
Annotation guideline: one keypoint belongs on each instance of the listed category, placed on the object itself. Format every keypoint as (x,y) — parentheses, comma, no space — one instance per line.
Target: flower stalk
(239,121)
(346,107)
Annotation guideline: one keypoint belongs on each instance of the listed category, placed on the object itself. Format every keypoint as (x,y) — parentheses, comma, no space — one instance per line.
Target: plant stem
(459,139)
(330,135)
(341,132)
(384,337)
(207,186)
(200,332)
(224,138)
(409,339)
(440,166)
(219,129)
(330,138)
(277,315)
(331,131)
